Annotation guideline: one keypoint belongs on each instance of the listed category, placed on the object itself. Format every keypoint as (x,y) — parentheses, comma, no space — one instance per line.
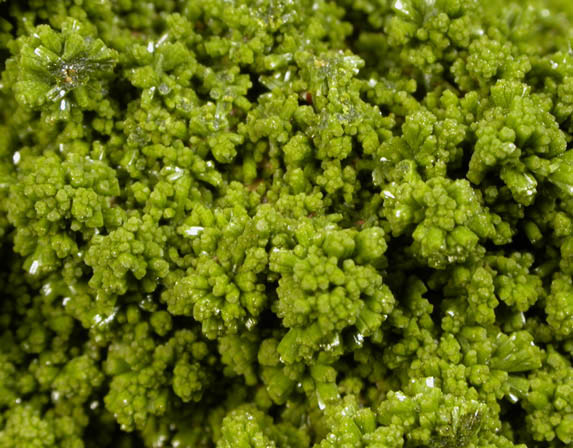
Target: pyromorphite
(286,223)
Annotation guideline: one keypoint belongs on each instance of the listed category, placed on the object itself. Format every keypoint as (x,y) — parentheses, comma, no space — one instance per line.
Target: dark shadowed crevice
(257,88)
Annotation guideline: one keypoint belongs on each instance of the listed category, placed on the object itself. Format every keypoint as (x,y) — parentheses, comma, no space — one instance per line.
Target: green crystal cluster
(286,224)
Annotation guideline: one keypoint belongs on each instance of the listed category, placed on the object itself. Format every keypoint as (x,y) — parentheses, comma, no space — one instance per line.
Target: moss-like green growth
(286,224)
